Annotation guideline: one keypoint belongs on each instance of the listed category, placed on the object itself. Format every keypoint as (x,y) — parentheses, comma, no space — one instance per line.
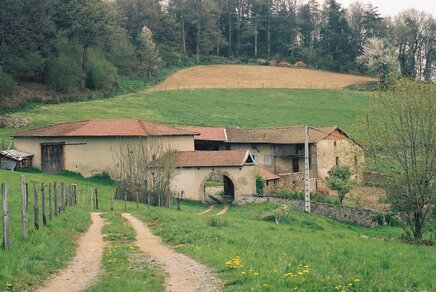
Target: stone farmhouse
(88,147)
(236,155)
(279,152)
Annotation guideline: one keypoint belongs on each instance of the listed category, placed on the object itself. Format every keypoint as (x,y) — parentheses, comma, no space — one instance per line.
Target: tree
(379,58)
(399,132)
(148,54)
(89,22)
(145,168)
(339,179)
(336,38)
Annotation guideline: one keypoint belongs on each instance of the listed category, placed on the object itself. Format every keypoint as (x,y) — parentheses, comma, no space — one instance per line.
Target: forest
(77,45)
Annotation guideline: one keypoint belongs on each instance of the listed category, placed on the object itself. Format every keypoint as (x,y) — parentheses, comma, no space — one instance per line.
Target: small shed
(13,159)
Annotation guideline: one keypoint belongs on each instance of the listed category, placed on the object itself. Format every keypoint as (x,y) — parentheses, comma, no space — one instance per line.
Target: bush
(101,73)
(216,222)
(63,73)
(29,66)
(7,84)
(260,185)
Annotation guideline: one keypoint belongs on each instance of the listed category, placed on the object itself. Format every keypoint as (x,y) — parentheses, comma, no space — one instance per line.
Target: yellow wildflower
(256,274)
(300,274)
(357,280)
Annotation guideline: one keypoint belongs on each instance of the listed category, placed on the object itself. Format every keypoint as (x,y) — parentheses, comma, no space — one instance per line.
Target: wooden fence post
(74,186)
(5,216)
(96,198)
(35,205)
(55,194)
(23,207)
(44,214)
(61,200)
(49,202)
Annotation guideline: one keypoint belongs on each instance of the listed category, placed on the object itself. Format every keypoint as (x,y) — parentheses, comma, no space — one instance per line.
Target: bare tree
(399,127)
(145,168)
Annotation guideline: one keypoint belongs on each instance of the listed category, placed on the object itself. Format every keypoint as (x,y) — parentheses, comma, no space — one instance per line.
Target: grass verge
(126,268)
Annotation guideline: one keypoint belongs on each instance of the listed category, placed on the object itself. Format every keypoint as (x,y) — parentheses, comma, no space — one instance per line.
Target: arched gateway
(215,176)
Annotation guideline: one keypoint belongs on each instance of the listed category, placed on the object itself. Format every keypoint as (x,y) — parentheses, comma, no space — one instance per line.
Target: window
(267,159)
(255,157)
(337,160)
(300,148)
(334,143)
(295,166)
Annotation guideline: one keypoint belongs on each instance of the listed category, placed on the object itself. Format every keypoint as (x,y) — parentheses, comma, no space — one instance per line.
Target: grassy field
(336,254)
(209,107)
(307,252)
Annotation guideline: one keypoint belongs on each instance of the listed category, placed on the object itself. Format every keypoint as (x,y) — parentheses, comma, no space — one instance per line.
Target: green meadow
(211,107)
(303,252)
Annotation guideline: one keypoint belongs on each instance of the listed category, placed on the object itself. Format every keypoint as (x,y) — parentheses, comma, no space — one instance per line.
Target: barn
(90,147)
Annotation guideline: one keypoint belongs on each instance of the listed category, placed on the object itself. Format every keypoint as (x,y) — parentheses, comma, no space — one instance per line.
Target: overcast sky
(392,7)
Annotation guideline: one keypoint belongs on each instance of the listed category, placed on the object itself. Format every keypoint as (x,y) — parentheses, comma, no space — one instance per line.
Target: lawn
(212,107)
(307,252)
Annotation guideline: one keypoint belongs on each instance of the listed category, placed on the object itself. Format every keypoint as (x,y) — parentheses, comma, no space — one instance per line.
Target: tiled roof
(282,135)
(212,158)
(266,174)
(92,128)
(209,133)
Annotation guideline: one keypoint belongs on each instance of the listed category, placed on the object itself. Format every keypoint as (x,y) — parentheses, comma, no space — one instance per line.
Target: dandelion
(234,263)
(265,285)
(357,280)
(306,271)
(300,274)
(256,274)
(242,273)
(350,284)
(338,287)
(290,274)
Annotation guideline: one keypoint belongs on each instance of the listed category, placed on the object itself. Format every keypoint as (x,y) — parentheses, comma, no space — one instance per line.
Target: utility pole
(306,170)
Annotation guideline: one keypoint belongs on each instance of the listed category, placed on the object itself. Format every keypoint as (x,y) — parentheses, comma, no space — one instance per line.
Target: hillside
(246,76)
(210,107)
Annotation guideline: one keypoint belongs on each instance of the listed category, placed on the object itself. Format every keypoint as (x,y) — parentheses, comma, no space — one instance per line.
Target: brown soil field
(248,76)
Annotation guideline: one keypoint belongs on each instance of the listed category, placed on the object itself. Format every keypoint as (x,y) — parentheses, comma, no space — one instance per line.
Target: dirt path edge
(184,274)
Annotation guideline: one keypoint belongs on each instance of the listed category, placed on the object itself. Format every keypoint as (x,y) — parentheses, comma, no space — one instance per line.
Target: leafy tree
(399,132)
(148,54)
(379,58)
(89,22)
(339,179)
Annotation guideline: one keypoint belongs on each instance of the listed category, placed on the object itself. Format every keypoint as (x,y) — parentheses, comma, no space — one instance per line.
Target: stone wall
(358,216)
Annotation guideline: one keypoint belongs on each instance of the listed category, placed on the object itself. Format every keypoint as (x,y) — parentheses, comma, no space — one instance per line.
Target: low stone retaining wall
(358,216)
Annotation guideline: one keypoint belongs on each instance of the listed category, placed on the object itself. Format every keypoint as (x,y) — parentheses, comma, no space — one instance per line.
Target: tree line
(71,44)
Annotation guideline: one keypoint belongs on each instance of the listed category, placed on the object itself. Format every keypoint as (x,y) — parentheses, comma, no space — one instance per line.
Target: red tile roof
(91,128)
(209,133)
(266,174)
(212,158)
(282,135)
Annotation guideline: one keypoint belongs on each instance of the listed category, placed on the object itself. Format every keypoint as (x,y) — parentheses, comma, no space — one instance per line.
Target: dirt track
(184,274)
(247,76)
(86,264)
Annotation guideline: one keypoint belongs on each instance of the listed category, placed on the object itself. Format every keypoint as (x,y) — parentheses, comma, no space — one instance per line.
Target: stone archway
(218,187)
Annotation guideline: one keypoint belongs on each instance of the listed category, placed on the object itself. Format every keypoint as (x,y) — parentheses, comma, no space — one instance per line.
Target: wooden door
(52,157)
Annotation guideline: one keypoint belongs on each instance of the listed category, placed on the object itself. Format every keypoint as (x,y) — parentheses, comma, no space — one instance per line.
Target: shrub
(260,185)
(63,73)
(24,67)
(339,179)
(101,73)
(7,84)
